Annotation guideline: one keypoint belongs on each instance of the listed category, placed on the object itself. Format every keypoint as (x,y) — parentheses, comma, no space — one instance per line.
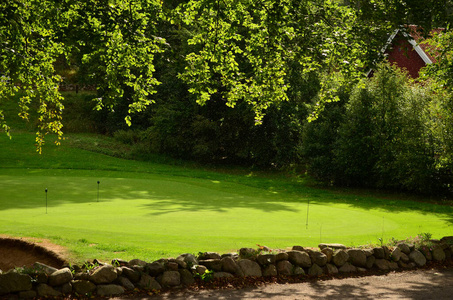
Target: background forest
(268,84)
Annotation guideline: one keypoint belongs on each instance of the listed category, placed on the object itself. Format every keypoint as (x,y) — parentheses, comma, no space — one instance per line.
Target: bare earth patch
(20,252)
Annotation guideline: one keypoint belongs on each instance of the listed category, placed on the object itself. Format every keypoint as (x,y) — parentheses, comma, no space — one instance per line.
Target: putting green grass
(149,211)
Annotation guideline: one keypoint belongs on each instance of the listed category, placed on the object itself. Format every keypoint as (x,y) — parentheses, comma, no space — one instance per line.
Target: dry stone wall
(120,276)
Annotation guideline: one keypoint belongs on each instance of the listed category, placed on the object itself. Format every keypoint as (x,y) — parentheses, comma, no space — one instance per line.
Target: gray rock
(233,255)
(186,277)
(247,253)
(318,258)
(447,239)
(45,290)
(83,287)
(212,264)
(340,257)
(189,259)
(396,254)
(155,268)
(347,268)
(270,270)
(125,282)
(60,277)
(103,275)
(298,271)
(28,294)
(131,274)
(137,262)
(109,290)
(11,282)
(298,258)
(379,252)
(181,263)
(250,268)
(40,267)
(171,278)
(284,267)
(331,269)
(382,264)
(418,258)
(65,288)
(386,252)
(328,252)
(265,259)
(223,275)
(172,266)
(357,257)
(200,269)
(370,262)
(298,248)
(315,270)
(426,252)
(230,265)
(393,265)
(438,253)
(332,246)
(209,255)
(404,258)
(281,256)
(368,252)
(403,265)
(404,248)
(148,283)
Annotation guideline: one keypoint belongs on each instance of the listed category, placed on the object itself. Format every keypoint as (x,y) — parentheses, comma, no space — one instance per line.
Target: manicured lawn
(150,210)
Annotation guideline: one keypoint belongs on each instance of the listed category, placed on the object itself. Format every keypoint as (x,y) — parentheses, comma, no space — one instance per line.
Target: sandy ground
(417,284)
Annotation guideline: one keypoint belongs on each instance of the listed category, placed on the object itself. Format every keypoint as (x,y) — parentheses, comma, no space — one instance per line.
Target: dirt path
(416,285)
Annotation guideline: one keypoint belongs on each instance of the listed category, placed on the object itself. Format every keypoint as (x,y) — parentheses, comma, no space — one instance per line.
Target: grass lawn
(150,210)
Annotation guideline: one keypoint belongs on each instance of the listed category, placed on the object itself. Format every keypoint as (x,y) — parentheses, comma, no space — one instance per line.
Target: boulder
(155,268)
(379,252)
(298,258)
(104,274)
(370,262)
(340,257)
(347,268)
(209,255)
(40,267)
(131,274)
(438,253)
(265,259)
(212,264)
(382,264)
(109,290)
(173,266)
(315,270)
(171,278)
(223,275)
(404,247)
(298,271)
(45,290)
(247,253)
(148,283)
(396,254)
(60,277)
(12,282)
(270,270)
(28,294)
(357,257)
(426,252)
(83,287)
(298,248)
(284,267)
(186,277)
(230,265)
(189,259)
(125,282)
(332,246)
(318,258)
(281,256)
(418,258)
(328,252)
(250,268)
(393,265)
(137,262)
(331,269)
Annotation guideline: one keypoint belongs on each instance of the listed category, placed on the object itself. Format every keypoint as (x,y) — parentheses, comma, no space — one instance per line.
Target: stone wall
(120,276)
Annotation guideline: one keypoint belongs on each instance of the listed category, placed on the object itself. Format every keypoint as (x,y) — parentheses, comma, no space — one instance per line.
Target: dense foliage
(236,81)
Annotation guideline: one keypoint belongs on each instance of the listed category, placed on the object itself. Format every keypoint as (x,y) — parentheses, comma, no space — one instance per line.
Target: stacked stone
(121,276)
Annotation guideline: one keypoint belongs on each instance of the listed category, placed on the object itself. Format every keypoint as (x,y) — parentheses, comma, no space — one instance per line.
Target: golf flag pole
(46,201)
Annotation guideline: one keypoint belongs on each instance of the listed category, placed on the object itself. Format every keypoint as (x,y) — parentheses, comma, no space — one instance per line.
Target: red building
(405,49)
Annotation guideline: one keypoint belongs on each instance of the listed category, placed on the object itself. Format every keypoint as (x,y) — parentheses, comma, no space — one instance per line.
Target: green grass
(151,210)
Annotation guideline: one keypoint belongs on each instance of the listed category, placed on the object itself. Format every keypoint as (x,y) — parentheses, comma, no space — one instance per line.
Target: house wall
(404,56)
